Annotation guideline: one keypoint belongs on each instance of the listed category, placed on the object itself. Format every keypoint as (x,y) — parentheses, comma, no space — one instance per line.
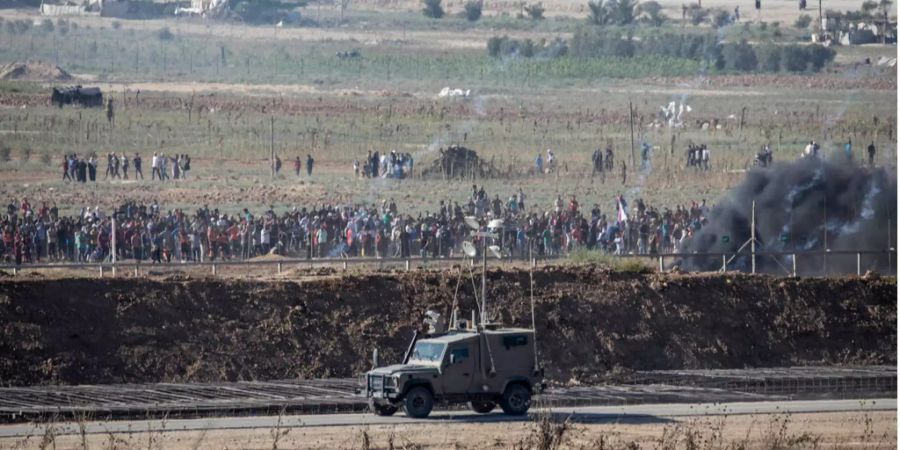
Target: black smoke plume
(803,207)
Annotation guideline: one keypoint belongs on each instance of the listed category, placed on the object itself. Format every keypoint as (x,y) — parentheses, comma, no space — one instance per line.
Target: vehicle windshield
(428,351)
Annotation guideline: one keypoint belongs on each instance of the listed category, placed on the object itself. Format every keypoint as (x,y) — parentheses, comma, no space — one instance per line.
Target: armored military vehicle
(483,364)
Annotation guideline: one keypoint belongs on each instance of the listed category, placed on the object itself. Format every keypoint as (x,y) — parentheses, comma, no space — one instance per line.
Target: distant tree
(535,11)
(697,14)
(868,7)
(721,18)
(623,11)
(433,9)
(473,10)
(803,22)
(599,12)
(652,12)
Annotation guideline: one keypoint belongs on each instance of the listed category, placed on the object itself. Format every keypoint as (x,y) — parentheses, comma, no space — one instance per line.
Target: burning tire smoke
(809,205)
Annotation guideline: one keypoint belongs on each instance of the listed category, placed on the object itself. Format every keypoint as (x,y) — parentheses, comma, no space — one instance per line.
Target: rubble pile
(458,162)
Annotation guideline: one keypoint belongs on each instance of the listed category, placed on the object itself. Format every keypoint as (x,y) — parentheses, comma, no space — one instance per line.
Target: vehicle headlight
(391,381)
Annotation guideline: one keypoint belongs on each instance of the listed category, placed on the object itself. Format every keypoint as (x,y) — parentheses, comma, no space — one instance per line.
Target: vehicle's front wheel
(418,402)
(482,406)
(516,400)
(383,410)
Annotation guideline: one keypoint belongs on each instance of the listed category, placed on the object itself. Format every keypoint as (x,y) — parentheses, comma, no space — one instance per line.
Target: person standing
(88,169)
(871,152)
(309,164)
(65,167)
(848,149)
(137,166)
(539,165)
(154,168)
(297,166)
(124,166)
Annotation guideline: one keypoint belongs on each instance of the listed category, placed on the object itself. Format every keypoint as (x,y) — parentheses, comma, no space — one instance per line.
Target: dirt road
(842,423)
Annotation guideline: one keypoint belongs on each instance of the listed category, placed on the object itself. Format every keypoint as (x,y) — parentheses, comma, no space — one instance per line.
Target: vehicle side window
(514,341)
(459,354)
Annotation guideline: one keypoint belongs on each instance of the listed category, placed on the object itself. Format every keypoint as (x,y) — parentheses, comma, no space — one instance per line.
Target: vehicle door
(458,369)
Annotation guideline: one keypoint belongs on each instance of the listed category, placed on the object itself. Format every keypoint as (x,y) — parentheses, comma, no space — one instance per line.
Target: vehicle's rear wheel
(482,406)
(418,402)
(516,400)
(383,410)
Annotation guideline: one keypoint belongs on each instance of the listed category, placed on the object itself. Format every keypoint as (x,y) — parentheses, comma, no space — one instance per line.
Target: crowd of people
(82,169)
(148,232)
(386,165)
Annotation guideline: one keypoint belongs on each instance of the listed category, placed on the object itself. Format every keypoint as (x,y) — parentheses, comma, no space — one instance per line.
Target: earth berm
(592,323)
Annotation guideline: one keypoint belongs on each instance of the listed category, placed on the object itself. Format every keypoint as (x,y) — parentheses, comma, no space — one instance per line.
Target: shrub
(47,26)
(5,154)
(721,18)
(599,12)
(46,159)
(535,11)
(652,11)
(794,58)
(493,46)
(739,57)
(165,34)
(433,9)
(697,15)
(26,153)
(623,11)
(769,57)
(803,22)
(473,10)
(819,56)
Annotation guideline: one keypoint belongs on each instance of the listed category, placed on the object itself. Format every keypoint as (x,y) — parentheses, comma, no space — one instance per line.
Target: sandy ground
(823,430)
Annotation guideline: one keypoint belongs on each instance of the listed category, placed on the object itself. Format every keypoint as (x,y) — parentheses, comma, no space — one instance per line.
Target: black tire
(383,410)
(482,406)
(418,402)
(516,400)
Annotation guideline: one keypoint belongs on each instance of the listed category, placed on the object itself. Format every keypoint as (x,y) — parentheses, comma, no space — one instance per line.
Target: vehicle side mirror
(452,359)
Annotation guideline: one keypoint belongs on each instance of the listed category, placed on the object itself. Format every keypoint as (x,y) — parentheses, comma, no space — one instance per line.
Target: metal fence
(781,263)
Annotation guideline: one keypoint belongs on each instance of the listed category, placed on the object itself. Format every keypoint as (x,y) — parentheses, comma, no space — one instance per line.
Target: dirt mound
(460,162)
(33,70)
(591,323)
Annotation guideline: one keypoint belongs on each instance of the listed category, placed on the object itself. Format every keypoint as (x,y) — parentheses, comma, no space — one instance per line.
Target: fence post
(344,264)
(279,268)
(214,269)
(101,270)
(724,263)
(533,262)
(661,263)
(858,264)
(15,271)
(794,264)
(407,265)
(137,271)
(114,270)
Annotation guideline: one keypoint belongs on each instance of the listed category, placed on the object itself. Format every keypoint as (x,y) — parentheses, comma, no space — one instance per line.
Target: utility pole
(113,256)
(821,24)
(631,121)
(753,238)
